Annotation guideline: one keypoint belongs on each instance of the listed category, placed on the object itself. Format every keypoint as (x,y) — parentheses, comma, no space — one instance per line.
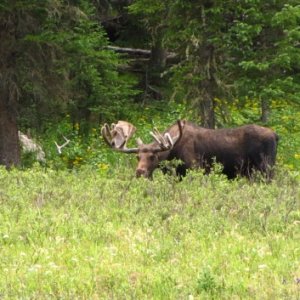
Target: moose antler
(118,135)
(63,145)
(166,142)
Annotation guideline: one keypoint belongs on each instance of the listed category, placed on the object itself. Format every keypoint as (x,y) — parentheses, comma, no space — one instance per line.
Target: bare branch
(136,51)
(59,148)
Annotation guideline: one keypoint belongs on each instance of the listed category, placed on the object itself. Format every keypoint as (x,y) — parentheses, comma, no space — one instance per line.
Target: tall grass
(93,235)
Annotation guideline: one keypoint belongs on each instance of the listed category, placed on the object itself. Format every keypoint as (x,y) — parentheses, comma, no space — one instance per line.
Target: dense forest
(66,67)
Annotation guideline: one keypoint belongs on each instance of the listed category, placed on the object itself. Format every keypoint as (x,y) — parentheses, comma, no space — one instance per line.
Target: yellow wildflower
(103,166)
(289,166)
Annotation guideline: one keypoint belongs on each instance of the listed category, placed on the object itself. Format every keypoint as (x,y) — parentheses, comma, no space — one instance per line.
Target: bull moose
(240,150)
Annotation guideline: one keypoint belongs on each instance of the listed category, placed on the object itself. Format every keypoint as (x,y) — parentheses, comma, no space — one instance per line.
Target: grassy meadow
(88,234)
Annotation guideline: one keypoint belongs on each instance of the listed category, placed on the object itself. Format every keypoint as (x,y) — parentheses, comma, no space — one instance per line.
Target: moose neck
(164,155)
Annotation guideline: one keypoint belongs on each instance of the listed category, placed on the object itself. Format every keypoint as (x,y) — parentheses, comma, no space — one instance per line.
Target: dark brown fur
(240,150)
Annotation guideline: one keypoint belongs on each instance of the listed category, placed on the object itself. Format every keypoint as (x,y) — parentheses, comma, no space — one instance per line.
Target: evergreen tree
(237,48)
(53,54)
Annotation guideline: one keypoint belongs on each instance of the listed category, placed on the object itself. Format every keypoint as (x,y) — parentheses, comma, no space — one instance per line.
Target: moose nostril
(140,172)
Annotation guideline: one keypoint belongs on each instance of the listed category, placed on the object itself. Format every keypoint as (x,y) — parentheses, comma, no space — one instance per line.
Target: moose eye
(152,157)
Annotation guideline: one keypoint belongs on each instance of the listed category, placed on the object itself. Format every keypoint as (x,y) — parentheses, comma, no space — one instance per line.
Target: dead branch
(62,146)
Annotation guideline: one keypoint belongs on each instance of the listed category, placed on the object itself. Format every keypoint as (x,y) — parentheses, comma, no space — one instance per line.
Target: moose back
(240,150)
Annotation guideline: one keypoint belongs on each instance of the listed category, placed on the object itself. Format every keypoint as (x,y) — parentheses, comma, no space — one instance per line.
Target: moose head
(149,155)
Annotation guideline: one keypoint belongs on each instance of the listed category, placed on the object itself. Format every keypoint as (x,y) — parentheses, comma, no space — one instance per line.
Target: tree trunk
(158,57)
(265,110)
(207,107)
(9,141)
(208,87)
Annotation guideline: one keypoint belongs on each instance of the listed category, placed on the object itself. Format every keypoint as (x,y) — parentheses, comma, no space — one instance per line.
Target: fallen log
(137,51)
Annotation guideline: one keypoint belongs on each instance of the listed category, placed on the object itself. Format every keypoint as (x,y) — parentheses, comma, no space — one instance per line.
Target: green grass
(95,235)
